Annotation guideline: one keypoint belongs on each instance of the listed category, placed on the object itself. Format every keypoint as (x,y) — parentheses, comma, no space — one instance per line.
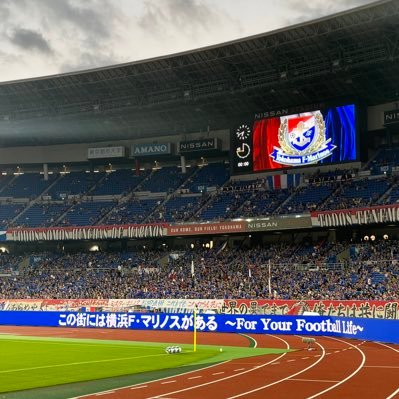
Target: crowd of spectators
(280,271)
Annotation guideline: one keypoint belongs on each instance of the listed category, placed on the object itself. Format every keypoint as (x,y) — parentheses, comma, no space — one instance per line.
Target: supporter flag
(283,181)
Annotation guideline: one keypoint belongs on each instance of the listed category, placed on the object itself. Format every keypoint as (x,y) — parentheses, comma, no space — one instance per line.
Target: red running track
(337,369)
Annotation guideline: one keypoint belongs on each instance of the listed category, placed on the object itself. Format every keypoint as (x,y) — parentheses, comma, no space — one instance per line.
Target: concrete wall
(70,153)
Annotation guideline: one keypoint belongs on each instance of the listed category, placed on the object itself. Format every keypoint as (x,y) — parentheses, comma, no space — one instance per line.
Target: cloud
(90,16)
(181,17)
(307,10)
(29,39)
(88,60)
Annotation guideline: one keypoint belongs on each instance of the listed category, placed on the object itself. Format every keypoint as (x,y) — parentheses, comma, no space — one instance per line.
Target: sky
(46,37)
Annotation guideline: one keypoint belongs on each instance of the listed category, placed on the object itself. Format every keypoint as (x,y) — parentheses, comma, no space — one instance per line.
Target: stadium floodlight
(372,237)
(385,236)
(366,238)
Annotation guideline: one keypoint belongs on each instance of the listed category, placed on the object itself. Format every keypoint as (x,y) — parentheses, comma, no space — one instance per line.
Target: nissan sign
(199,145)
(391,116)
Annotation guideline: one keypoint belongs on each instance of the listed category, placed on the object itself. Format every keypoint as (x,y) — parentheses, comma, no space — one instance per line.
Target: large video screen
(296,140)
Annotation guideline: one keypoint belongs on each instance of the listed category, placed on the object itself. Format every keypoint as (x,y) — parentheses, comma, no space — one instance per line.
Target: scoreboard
(314,137)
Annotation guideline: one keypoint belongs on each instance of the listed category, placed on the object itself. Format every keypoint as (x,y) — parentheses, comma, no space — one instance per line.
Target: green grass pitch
(32,362)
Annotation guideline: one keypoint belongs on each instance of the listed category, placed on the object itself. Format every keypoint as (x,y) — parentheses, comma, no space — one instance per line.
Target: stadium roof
(354,54)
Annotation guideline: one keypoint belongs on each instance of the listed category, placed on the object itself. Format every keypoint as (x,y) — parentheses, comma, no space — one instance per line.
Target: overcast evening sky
(45,37)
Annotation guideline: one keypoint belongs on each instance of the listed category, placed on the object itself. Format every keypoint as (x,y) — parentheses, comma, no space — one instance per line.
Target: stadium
(220,222)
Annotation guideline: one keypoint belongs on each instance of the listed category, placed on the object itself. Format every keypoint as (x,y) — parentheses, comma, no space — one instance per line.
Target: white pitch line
(349,376)
(79,363)
(156,380)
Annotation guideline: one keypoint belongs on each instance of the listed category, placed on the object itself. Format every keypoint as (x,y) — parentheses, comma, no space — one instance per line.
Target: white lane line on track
(104,393)
(305,380)
(139,387)
(193,378)
(220,372)
(168,382)
(349,376)
(393,394)
(304,358)
(157,380)
(281,380)
(225,378)
(382,367)
(252,339)
(239,369)
(388,346)
(291,360)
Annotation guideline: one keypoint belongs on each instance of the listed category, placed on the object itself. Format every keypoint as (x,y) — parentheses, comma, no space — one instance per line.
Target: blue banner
(365,329)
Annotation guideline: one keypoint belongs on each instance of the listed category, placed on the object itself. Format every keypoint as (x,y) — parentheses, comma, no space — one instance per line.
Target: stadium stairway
(333,194)
(286,201)
(169,196)
(37,200)
(5,181)
(390,196)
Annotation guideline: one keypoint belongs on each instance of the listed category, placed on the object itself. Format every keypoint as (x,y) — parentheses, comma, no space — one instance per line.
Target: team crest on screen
(302,140)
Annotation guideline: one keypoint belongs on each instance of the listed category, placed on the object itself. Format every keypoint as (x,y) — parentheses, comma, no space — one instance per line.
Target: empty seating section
(263,203)
(8,212)
(74,183)
(119,182)
(393,196)
(41,215)
(27,185)
(211,175)
(224,205)
(358,193)
(181,208)
(308,198)
(133,211)
(167,180)
(86,213)
(188,196)
(386,156)
(4,180)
